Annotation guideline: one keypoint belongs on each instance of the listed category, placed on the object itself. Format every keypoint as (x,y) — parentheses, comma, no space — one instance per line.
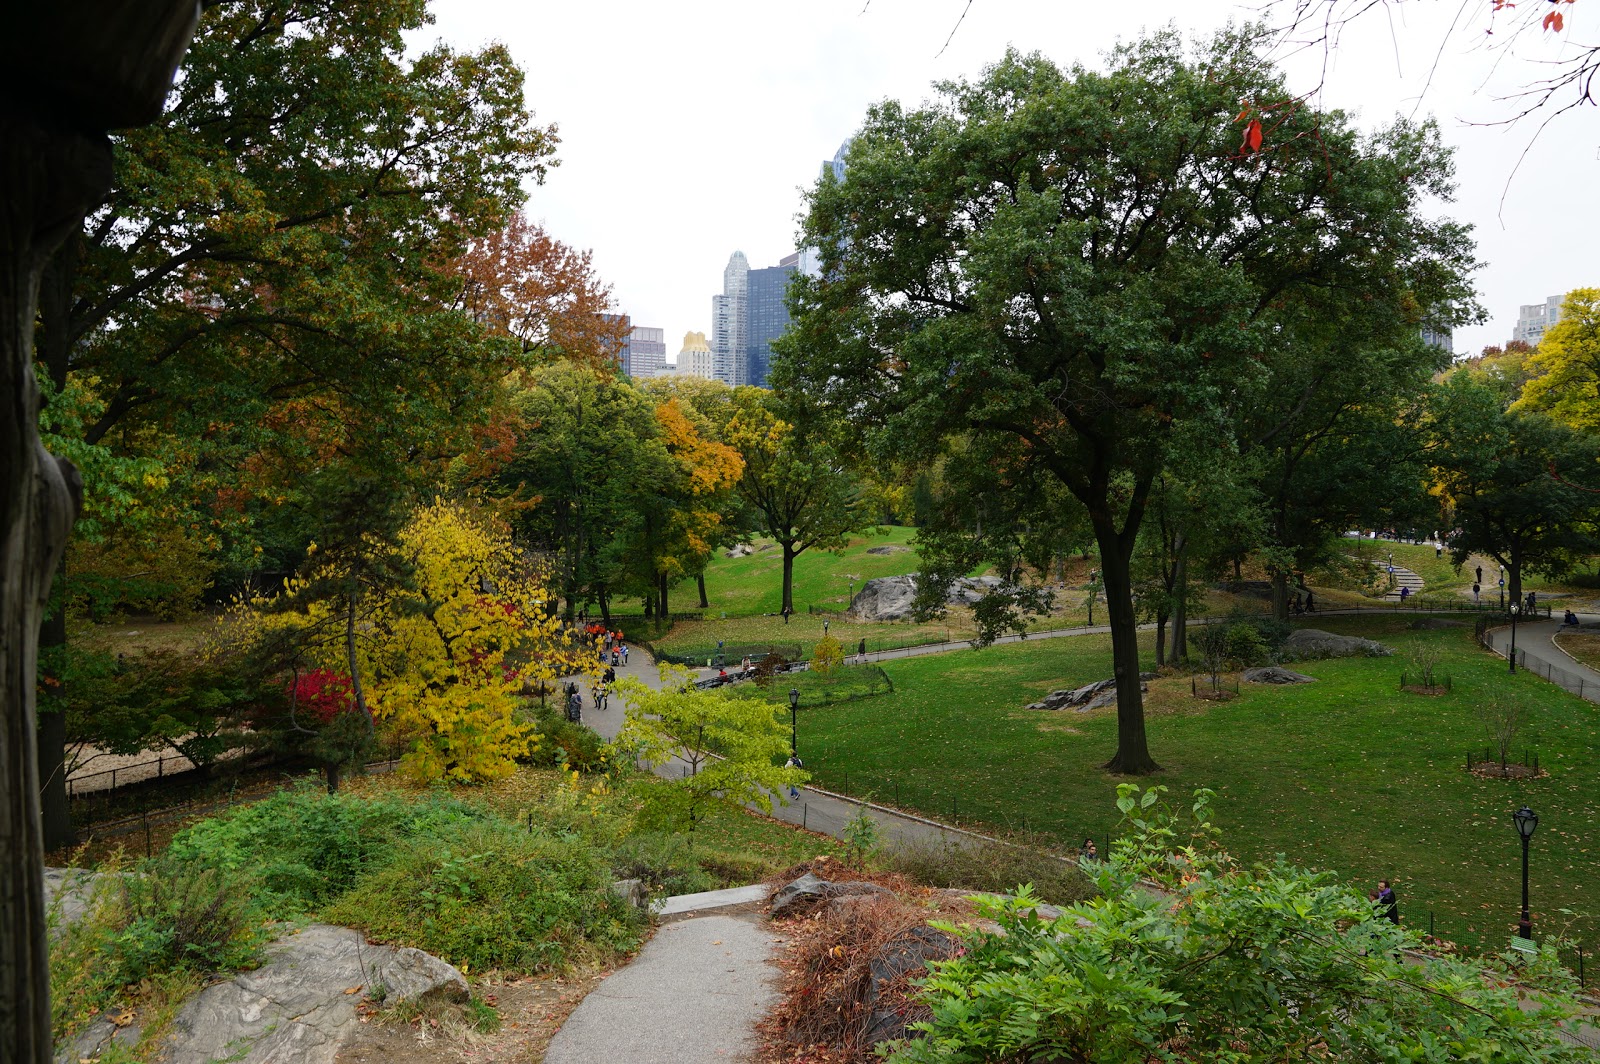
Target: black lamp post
(794,723)
(1527,822)
(1502,587)
(1513,654)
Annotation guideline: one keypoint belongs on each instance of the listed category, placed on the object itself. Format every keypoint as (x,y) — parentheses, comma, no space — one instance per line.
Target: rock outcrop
(1095,695)
(889,598)
(1276,674)
(300,1005)
(811,891)
(1312,644)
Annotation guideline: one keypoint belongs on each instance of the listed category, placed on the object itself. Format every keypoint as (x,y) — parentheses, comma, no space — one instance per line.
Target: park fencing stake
(805,816)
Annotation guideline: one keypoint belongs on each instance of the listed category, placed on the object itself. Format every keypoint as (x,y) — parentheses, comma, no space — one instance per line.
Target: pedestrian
(861,650)
(1087,851)
(610,675)
(1388,905)
(786,615)
(1475,589)
(624,653)
(1532,601)
(1309,606)
(1405,593)
(793,762)
(1569,620)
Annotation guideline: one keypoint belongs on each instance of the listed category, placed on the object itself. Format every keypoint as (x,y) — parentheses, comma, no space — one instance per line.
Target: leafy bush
(490,895)
(994,867)
(303,847)
(563,743)
(1228,963)
(162,922)
(1245,647)
(664,862)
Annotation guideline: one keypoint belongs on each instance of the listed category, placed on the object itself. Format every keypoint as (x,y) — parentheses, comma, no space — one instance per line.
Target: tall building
(1440,337)
(646,352)
(767,318)
(619,353)
(1534,318)
(728,320)
(696,359)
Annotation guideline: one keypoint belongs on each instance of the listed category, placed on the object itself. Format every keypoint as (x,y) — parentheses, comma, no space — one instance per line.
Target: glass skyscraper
(767,318)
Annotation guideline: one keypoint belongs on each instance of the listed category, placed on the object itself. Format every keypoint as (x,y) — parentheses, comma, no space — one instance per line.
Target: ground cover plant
(1585,648)
(1349,774)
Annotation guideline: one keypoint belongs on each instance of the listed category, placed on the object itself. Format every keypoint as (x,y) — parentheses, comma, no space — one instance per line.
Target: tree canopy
(1084,260)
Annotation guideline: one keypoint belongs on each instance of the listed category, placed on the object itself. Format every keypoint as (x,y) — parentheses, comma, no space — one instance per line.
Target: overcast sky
(687,129)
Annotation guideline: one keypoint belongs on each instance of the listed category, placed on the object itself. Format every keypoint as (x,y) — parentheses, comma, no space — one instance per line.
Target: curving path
(1538,653)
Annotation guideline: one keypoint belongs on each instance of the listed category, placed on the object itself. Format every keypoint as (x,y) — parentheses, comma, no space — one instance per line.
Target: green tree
(1564,379)
(1521,488)
(730,747)
(1084,260)
(794,482)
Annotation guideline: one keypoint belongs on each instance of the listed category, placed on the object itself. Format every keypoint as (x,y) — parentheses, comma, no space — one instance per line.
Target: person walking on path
(1388,905)
(861,651)
(793,762)
(1533,601)
(1475,589)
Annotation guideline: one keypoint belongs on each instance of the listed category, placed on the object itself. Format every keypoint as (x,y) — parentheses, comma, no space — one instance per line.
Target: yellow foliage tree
(1564,372)
(439,655)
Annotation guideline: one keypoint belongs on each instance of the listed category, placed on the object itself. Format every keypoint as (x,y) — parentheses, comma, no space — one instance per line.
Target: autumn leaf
(1553,21)
(1252,136)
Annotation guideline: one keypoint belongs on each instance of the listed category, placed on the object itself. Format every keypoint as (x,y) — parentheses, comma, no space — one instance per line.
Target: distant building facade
(646,352)
(1442,338)
(728,318)
(768,316)
(1534,318)
(695,359)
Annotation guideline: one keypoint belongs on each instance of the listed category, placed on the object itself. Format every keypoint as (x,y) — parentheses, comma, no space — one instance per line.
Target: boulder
(1312,644)
(1276,674)
(69,891)
(1095,695)
(888,598)
(889,548)
(969,590)
(300,1005)
(739,550)
(910,951)
(811,891)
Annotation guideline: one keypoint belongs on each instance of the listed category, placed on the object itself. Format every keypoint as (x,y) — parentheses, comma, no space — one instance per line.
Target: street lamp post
(794,723)
(1502,587)
(1527,822)
(1513,654)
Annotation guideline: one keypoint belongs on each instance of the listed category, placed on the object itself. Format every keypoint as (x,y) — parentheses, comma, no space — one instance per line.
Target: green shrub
(995,867)
(164,920)
(1245,646)
(492,895)
(664,862)
(303,847)
(565,744)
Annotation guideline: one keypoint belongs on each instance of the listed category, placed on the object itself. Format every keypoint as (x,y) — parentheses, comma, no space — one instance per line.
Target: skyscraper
(696,359)
(768,317)
(728,321)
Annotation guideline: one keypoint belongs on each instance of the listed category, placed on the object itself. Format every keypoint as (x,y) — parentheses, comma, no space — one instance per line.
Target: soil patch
(1491,770)
(532,1009)
(1421,689)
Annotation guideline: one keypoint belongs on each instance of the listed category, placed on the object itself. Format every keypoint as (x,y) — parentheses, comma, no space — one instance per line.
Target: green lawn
(1349,774)
(742,587)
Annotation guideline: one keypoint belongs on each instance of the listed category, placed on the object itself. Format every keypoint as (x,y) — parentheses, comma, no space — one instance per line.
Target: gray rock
(1312,644)
(69,891)
(889,548)
(969,591)
(888,598)
(811,891)
(296,1006)
(739,550)
(1276,674)
(907,952)
(1095,695)
(632,891)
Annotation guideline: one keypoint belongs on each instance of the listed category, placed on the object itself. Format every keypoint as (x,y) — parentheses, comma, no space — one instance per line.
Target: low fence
(1561,675)
(87,783)
(728,654)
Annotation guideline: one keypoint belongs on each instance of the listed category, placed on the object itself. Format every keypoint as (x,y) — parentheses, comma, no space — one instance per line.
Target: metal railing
(1566,678)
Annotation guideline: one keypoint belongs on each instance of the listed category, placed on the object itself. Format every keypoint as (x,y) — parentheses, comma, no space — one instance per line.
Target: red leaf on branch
(1553,21)
(1243,113)
(1252,136)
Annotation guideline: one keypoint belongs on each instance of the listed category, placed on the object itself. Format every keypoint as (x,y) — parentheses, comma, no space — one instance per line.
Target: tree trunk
(1133,751)
(1180,603)
(330,773)
(661,596)
(48,178)
(1280,595)
(788,576)
(700,579)
(350,660)
(605,604)
(1161,639)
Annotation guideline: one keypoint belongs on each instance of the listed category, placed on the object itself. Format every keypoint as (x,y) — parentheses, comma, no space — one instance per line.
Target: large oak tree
(1083,259)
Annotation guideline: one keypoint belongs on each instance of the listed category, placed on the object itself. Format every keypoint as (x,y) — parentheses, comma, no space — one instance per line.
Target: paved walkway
(693,995)
(1538,653)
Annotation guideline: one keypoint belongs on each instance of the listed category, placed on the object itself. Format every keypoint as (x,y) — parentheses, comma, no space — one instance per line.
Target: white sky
(688,128)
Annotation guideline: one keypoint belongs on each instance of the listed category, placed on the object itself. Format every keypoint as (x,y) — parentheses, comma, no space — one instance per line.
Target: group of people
(613,648)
